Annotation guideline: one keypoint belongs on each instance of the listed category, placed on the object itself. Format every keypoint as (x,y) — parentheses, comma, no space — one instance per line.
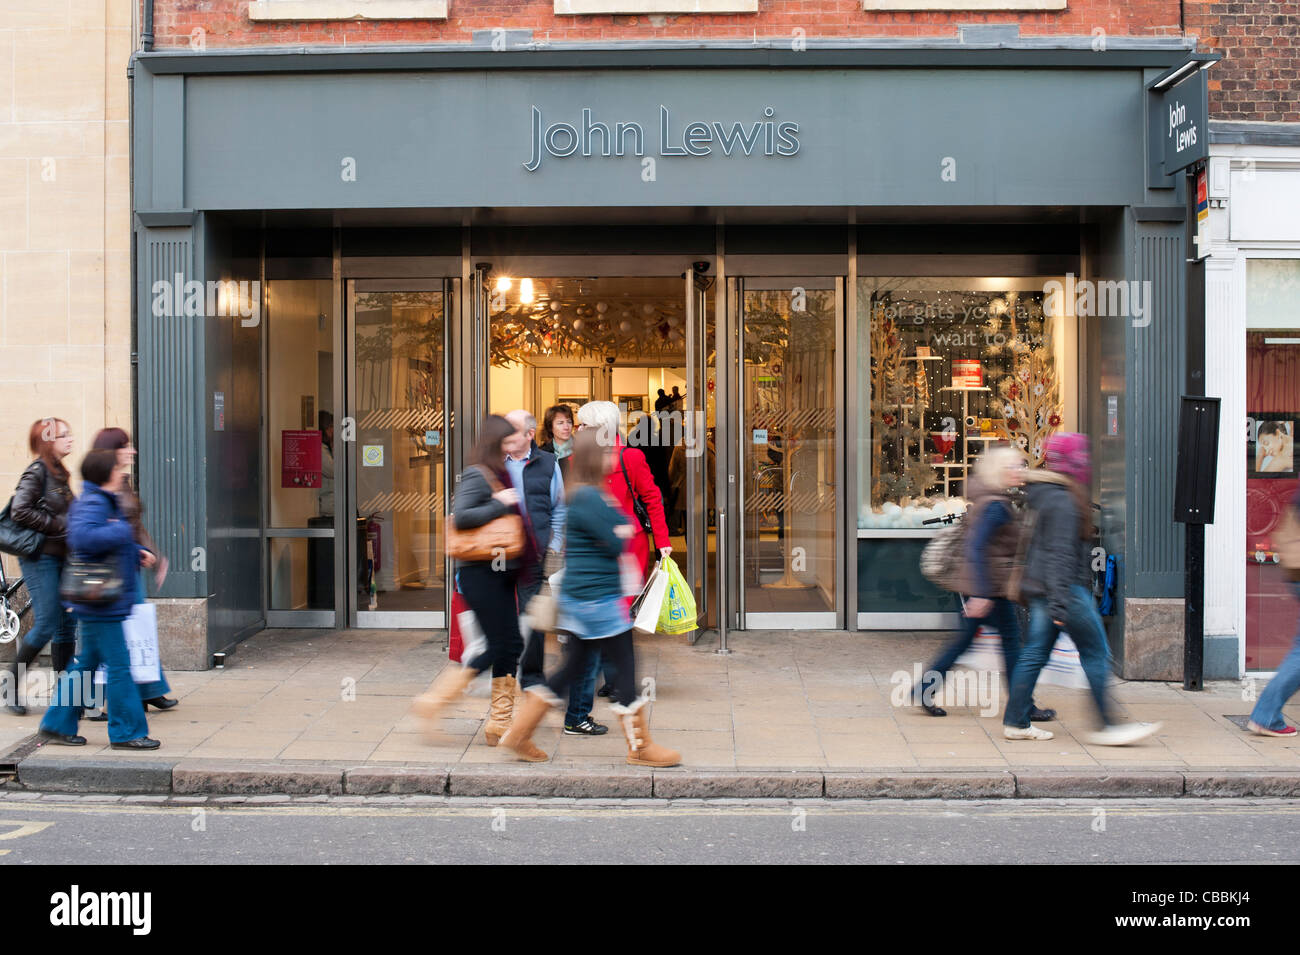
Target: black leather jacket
(41,503)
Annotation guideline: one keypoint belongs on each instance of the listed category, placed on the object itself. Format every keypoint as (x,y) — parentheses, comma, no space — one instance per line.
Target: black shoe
(100,717)
(53,737)
(606,691)
(588,727)
(143,742)
(161,702)
(934,710)
(1041,716)
(17,709)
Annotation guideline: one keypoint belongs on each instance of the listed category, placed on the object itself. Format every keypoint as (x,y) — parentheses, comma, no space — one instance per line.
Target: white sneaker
(1029,732)
(1121,734)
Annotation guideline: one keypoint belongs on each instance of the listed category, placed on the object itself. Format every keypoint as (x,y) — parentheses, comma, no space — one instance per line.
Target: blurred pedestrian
(591,608)
(1057,582)
(993,536)
(633,486)
(119,442)
(484,494)
(99,532)
(535,474)
(41,503)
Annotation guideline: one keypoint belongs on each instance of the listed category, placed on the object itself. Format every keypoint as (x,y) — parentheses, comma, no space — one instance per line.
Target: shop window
(347,10)
(950,366)
(1272,467)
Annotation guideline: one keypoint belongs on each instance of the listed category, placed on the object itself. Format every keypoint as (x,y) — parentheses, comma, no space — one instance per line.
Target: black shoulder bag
(638,507)
(25,542)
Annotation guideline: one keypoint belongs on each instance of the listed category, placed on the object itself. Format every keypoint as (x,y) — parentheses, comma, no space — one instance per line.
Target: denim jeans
(1083,624)
(1002,618)
(1268,708)
(49,619)
(582,693)
(102,641)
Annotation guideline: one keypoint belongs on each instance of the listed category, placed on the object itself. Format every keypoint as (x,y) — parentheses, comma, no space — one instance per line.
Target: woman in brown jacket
(41,503)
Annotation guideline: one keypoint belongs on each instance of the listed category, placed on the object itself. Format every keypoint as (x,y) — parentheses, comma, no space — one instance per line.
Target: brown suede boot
(520,736)
(503,705)
(446,686)
(641,749)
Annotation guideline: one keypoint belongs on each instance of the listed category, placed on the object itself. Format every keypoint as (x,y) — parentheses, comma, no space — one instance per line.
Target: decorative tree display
(900,396)
(1030,402)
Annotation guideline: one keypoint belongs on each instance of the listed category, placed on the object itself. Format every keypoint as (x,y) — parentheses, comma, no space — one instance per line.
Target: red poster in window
(300,453)
(966,373)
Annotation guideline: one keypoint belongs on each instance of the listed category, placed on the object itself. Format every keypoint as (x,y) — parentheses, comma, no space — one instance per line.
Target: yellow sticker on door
(372,455)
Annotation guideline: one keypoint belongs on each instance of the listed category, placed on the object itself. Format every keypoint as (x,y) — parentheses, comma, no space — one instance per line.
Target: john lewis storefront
(857,266)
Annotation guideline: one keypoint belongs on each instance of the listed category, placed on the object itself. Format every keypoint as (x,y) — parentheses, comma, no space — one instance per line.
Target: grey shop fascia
(854,137)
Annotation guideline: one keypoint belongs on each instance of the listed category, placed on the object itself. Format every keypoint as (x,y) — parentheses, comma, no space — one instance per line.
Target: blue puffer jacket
(98,531)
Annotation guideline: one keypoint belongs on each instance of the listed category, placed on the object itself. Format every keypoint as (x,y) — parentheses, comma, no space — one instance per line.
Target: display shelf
(956,388)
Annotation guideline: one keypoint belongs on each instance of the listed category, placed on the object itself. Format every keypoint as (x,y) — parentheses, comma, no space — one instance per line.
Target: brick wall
(1260,43)
(225,23)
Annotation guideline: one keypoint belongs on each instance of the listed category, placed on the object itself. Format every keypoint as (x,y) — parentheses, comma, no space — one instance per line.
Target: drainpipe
(146,34)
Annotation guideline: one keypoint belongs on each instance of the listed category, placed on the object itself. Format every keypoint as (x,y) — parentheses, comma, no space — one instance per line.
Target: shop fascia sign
(764,136)
(1182,99)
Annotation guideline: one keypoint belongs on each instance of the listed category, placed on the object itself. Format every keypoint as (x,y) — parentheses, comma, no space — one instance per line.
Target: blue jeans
(49,619)
(1001,618)
(582,694)
(102,641)
(1268,708)
(1083,624)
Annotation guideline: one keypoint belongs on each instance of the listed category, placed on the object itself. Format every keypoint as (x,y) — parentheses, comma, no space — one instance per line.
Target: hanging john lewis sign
(1184,121)
(675,137)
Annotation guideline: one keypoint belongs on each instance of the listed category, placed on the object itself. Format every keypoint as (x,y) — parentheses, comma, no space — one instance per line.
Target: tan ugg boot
(520,736)
(446,686)
(503,705)
(641,749)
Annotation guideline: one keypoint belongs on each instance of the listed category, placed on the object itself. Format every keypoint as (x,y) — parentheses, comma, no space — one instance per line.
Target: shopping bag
(984,652)
(140,631)
(677,615)
(1063,667)
(456,639)
(651,601)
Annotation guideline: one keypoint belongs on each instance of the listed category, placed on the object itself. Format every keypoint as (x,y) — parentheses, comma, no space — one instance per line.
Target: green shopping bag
(677,613)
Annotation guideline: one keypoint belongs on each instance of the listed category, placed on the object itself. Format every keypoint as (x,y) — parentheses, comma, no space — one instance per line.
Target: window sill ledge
(273,10)
(579,8)
(962,6)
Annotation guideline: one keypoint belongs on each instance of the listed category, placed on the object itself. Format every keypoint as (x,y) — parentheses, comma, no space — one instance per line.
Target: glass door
(397,454)
(699,449)
(788,432)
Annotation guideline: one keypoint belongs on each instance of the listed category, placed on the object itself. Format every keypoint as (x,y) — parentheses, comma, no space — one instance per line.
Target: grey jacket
(473,506)
(1058,556)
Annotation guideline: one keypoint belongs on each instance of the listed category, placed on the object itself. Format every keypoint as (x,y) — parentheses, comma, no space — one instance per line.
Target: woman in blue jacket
(99,532)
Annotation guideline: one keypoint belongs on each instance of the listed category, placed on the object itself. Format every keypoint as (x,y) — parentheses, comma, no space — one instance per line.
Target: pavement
(787,714)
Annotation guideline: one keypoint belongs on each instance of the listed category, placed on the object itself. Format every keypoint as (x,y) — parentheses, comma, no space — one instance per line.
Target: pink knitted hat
(1067,453)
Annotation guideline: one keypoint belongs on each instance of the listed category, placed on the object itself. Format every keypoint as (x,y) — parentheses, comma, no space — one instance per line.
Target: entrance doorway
(396,456)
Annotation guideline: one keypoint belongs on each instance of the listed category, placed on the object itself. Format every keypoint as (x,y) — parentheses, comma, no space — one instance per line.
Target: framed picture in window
(1270,445)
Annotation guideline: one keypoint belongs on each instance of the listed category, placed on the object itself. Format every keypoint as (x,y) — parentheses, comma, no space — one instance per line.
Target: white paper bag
(652,601)
(141,633)
(984,652)
(141,630)
(471,635)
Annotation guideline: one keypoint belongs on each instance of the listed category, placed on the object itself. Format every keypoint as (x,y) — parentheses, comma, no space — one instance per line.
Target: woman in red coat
(604,416)
(631,476)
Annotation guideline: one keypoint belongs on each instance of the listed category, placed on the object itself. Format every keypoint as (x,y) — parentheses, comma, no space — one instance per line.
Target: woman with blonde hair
(993,532)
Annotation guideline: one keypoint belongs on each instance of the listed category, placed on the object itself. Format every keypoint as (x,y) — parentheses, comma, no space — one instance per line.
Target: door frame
(345,525)
(767,271)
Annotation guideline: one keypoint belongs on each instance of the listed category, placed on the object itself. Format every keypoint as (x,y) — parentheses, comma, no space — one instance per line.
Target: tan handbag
(501,537)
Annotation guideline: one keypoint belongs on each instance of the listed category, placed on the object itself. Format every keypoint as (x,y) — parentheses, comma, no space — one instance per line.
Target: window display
(952,366)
